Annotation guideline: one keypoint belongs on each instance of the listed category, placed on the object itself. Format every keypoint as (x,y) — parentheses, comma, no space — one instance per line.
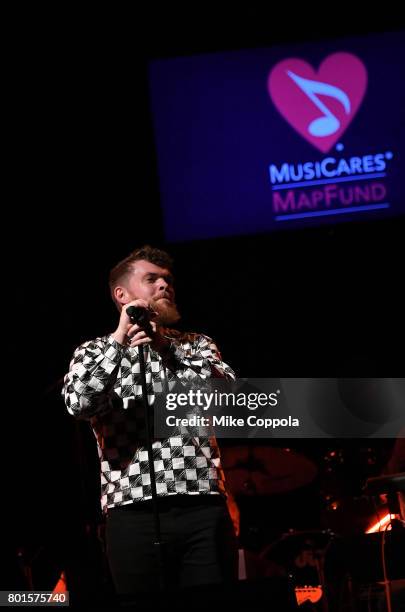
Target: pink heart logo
(319,106)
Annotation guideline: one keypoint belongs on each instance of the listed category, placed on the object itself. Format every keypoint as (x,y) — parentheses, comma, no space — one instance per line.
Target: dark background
(83,193)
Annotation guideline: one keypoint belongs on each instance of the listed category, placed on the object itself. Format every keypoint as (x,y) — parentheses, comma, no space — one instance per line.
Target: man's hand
(129,334)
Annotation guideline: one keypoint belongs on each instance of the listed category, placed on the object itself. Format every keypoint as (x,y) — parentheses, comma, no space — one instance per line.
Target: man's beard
(167,312)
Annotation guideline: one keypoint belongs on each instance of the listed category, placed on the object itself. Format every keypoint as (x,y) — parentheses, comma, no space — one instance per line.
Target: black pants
(200,545)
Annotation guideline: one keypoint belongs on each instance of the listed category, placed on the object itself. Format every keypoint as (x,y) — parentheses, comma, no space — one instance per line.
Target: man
(396,464)
(104,386)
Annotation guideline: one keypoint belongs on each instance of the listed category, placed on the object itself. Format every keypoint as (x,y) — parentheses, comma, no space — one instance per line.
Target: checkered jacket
(103,385)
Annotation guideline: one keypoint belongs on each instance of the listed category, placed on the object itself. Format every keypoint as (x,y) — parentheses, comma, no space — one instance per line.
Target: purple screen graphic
(256,140)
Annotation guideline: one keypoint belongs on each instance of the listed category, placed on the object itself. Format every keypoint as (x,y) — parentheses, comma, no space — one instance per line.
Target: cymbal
(262,470)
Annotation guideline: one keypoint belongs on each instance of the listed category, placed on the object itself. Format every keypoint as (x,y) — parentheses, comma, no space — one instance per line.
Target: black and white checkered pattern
(103,385)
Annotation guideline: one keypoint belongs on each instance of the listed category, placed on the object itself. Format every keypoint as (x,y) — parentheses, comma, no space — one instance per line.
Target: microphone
(140,316)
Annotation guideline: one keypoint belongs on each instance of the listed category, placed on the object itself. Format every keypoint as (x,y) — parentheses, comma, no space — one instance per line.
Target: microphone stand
(135,317)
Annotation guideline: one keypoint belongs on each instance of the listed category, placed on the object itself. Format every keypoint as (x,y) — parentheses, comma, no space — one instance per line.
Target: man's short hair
(124,268)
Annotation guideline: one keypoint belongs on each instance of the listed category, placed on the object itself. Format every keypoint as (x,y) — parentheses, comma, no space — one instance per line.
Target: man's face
(155,285)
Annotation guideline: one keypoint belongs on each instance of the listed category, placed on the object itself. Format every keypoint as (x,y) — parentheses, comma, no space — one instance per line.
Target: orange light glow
(379,525)
(60,586)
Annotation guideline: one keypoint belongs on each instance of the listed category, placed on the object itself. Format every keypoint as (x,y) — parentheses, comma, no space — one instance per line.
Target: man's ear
(121,295)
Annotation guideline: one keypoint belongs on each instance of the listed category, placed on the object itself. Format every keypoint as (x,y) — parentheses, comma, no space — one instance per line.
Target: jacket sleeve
(88,386)
(203,360)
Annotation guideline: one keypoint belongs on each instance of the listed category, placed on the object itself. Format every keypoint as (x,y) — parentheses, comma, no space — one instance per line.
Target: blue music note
(328,124)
